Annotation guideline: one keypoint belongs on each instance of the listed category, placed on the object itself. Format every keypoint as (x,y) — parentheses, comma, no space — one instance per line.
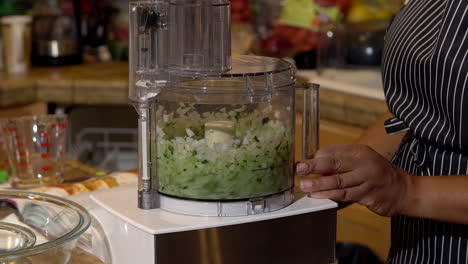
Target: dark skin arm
(377,138)
(363,174)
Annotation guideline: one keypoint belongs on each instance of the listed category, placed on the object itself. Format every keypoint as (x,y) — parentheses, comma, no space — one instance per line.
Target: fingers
(343,150)
(354,173)
(353,194)
(337,181)
(319,166)
(325,165)
(331,160)
(342,195)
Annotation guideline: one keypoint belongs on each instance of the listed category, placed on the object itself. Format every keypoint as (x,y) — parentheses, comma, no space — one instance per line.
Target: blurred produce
(358,40)
(243,38)
(367,10)
(276,46)
(266,14)
(118,37)
(11,8)
(291,28)
(343,5)
(279,28)
(300,39)
(241,11)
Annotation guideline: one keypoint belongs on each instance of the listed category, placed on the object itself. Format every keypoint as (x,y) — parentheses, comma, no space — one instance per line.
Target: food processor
(216,131)
(216,149)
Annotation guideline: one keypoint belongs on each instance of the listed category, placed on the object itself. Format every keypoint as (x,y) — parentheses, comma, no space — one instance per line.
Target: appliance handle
(148,182)
(310,119)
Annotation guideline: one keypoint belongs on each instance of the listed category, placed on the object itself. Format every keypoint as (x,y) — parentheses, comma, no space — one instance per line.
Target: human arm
(377,138)
(357,173)
(443,198)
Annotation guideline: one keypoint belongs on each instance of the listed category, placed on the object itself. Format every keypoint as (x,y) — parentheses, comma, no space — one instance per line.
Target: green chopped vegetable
(257,162)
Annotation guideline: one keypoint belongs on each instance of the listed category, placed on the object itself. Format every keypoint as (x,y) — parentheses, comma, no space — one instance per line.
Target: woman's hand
(356,173)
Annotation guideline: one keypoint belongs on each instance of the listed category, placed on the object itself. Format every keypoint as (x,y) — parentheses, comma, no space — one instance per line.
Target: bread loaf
(93,184)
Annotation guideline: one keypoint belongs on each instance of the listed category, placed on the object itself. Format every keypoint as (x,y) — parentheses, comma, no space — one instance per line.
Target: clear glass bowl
(56,224)
(15,237)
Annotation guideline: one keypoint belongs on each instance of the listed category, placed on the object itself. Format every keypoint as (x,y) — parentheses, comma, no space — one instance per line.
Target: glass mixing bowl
(53,222)
(15,237)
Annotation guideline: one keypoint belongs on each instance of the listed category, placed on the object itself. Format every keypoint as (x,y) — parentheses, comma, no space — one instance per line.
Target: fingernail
(302,168)
(306,184)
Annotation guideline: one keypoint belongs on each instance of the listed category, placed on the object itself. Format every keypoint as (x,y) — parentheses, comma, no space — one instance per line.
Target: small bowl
(55,222)
(15,237)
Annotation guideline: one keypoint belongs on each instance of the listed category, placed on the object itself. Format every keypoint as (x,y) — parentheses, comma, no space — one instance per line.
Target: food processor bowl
(216,132)
(227,137)
(224,141)
(39,228)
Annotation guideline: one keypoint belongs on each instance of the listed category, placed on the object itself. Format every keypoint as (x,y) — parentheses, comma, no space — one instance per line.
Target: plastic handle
(310,120)
(148,182)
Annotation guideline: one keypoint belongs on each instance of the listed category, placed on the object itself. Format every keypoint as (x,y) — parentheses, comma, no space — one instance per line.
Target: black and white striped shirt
(425,74)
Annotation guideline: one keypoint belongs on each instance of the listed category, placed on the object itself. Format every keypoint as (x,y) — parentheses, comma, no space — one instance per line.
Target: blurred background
(71,56)
(280,28)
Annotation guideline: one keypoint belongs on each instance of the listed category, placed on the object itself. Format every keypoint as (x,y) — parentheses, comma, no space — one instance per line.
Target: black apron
(425,75)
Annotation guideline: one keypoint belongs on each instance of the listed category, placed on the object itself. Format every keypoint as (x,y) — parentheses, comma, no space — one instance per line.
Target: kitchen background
(321,35)
(281,28)
(76,63)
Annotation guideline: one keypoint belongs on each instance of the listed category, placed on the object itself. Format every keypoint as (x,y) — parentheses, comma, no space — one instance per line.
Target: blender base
(303,232)
(300,239)
(227,208)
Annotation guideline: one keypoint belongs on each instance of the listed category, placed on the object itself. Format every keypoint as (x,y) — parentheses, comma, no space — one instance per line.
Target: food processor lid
(245,65)
(186,46)
(252,79)
(261,70)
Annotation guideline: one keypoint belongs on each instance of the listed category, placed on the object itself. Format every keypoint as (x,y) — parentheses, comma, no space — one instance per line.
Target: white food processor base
(299,233)
(222,208)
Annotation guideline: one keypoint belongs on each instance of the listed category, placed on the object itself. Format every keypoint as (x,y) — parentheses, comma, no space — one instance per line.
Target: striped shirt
(425,75)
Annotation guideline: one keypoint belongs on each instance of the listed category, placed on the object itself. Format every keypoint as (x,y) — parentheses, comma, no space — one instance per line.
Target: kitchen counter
(107,83)
(353,96)
(82,257)
(99,83)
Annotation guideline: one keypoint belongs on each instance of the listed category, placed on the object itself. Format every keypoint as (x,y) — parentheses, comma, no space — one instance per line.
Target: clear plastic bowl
(55,222)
